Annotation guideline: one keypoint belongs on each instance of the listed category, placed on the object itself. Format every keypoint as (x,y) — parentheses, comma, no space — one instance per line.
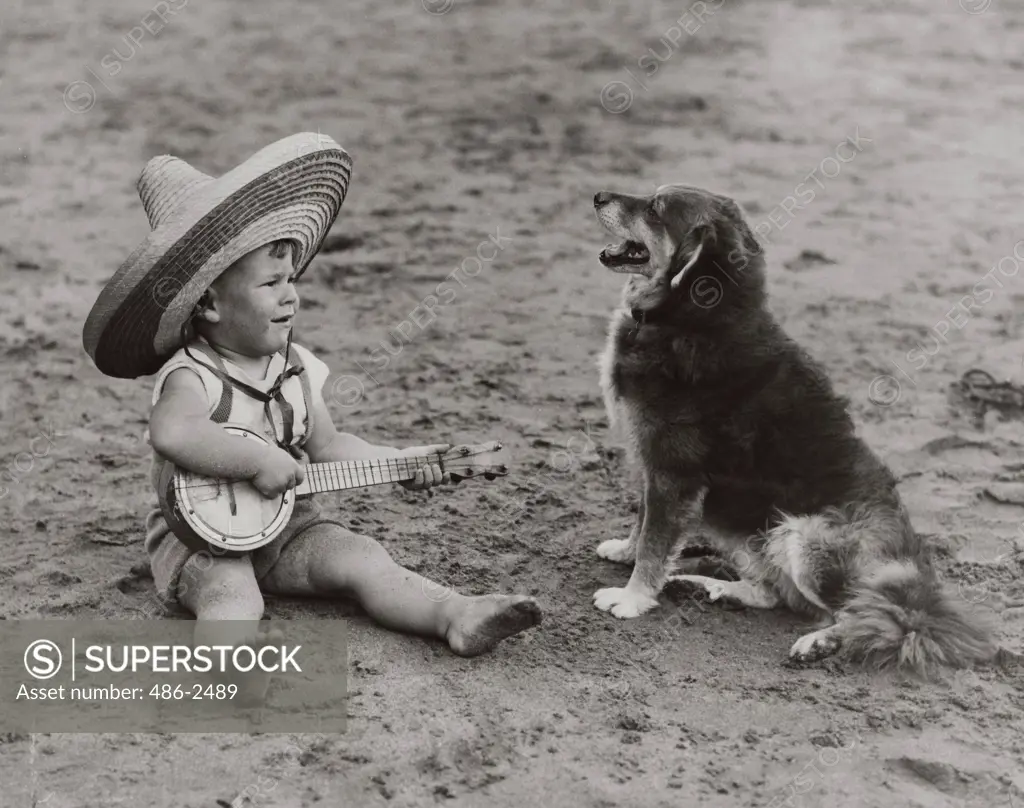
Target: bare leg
(672,511)
(216,589)
(623,551)
(754,595)
(329,561)
(223,595)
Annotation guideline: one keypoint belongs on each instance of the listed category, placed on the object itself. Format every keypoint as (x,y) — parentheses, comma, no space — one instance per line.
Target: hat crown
(165,183)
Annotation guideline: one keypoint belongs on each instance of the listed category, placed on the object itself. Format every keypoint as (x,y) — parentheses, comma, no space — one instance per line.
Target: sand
(486,123)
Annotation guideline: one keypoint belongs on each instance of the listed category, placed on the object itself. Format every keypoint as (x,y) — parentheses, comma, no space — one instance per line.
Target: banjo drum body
(227,518)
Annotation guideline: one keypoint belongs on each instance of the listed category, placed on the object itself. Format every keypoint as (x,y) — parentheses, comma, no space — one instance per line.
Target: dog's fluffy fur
(738,433)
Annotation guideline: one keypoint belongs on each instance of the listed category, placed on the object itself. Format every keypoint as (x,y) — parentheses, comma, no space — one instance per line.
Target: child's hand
(278,472)
(427,475)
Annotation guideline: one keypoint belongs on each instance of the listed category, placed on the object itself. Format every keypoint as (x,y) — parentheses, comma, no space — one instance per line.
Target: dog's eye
(652,209)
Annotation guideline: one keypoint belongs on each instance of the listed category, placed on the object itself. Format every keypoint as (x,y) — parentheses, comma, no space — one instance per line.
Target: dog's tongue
(615,250)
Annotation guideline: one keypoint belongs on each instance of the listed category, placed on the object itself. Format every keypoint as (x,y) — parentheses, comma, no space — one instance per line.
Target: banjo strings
(344,471)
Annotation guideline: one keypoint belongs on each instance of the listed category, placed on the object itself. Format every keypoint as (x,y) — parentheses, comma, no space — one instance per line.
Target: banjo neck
(236,518)
(345,474)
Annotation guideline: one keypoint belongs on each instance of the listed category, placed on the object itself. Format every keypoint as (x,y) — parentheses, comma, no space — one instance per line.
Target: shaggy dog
(737,431)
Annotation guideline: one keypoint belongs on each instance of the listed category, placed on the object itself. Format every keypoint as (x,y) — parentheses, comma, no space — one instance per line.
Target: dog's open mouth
(628,253)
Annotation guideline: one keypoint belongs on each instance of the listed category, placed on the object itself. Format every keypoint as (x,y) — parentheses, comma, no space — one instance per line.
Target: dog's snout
(602,198)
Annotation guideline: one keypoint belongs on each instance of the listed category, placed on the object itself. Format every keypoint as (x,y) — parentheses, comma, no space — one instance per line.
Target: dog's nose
(602,198)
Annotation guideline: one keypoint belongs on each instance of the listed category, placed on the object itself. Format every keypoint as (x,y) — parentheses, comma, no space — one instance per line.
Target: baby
(235,362)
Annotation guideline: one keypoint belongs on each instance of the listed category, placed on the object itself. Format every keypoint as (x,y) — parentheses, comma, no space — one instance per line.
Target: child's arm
(180,430)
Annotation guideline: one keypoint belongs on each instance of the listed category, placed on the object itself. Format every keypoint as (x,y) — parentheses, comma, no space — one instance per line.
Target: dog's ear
(739,245)
(690,252)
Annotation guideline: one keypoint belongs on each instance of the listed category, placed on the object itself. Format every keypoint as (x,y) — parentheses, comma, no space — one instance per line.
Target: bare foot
(254,684)
(253,687)
(486,620)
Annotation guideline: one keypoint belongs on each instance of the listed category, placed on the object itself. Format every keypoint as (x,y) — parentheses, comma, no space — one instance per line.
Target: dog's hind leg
(747,593)
(816,556)
(706,561)
(623,551)
(811,554)
(817,644)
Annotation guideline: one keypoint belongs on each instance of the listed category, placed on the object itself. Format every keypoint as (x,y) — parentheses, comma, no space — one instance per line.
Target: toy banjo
(233,516)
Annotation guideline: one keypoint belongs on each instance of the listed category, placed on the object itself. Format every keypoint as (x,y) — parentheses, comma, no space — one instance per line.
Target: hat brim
(135,324)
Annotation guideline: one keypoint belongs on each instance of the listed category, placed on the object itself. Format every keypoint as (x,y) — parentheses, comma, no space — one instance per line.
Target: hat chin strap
(273,394)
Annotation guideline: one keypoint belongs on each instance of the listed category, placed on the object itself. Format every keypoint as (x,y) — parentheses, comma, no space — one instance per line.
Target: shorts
(167,553)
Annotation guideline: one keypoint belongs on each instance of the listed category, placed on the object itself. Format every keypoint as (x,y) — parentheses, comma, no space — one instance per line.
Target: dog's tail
(902,616)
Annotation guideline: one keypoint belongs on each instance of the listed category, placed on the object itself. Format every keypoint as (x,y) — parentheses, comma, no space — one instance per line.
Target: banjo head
(232,516)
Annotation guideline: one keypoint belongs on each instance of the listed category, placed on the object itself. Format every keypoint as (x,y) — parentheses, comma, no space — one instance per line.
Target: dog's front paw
(816,645)
(623,602)
(621,551)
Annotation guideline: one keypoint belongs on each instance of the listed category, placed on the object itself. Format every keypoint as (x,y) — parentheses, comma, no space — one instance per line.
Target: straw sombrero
(292,189)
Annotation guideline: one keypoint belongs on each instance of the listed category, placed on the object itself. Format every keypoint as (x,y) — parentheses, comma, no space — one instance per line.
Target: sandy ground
(484,121)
